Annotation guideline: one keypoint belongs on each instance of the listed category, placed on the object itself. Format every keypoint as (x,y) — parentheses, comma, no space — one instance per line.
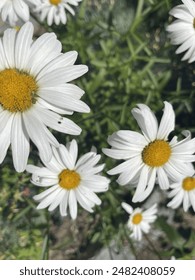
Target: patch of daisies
(35,94)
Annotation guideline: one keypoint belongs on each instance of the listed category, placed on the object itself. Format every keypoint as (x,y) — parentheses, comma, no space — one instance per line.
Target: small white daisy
(34,91)
(151,155)
(72,180)
(38,29)
(139,220)
(13,10)
(182,30)
(183,191)
(55,10)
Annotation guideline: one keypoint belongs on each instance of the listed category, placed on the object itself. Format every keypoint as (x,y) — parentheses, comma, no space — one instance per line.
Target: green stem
(131,244)
(45,248)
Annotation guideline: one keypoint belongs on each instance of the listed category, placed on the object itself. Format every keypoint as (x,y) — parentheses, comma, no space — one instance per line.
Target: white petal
(22,9)
(190,5)
(40,171)
(167,123)
(64,203)
(62,75)
(57,122)
(146,121)
(23,43)
(36,131)
(182,13)
(84,201)
(120,154)
(73,150)
(162,179)
(62,60)
(64,101)
(9,46)
(192,199)
(45,193)
(19,143)
(43,50)
(127,208)
(48,199)
(90,195)
(126,166)
(176,201)
(66,157)
(128,175)
(151,182)
(57,200)
(143,181)
(72,202)
(84,159)
(5,137)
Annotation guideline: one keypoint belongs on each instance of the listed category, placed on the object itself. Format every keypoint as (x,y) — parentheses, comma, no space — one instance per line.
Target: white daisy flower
(182,30)
(38,29)
(150,156)
(139,220)
(13,10)
(34,91)
(55,10)
(183,191)
(71,180)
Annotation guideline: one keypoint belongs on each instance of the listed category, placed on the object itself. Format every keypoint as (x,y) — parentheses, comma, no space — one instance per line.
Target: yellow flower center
(17,90)
(55,2)
(137,218)
(188,184)
(194,23)
(69,179)
(17,27)
(157,153)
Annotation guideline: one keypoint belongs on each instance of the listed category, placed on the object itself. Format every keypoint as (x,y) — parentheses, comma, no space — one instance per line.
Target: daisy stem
(131,244)
(45,248)
(152,246)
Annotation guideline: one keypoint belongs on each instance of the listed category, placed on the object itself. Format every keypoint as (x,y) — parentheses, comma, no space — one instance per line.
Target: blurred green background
(130,61)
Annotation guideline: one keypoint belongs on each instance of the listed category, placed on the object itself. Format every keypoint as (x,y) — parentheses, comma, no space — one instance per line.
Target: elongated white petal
(167,123)
(146,121)
(19,143)
(23,43)
(5,138)
(127,207)
(72,204)
(35,129)
(162,179)
(143,181)
(64,203)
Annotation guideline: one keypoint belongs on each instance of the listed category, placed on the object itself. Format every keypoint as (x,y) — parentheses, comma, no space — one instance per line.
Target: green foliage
(130,60)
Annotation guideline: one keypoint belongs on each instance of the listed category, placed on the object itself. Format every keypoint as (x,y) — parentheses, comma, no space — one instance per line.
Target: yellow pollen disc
(188,184)
(69,179)
(194,23)
(17,90)
(55,2)
(157,153)
(17,27)
(137,218)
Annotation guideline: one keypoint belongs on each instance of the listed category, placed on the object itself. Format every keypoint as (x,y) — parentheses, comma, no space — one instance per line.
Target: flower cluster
(15,11)
(36,91)
(151,157)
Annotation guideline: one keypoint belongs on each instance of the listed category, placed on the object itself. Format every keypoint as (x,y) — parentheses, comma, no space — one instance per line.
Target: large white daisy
(71,180)
(182,30)
(139,220)
(34,91)
(55,10)
(13,10)
(150,155)
(183,191)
